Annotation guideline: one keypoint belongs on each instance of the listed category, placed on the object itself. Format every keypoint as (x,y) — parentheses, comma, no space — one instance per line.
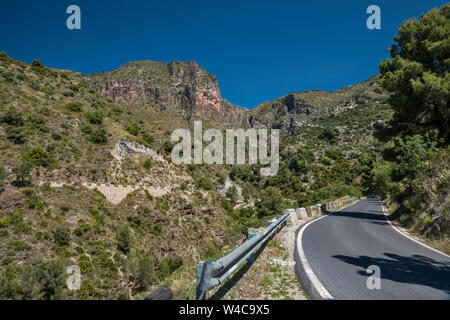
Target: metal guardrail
(211,274)
(349,200)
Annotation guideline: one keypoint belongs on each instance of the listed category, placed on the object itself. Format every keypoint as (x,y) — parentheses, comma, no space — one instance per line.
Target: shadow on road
(416,269)
(361,215)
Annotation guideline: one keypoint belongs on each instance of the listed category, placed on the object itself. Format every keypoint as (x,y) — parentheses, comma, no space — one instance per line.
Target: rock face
(285,113)
(300,108)
(182,85)
(194,91)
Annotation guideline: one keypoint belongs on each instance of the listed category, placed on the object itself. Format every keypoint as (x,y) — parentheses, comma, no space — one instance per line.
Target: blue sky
(259,50)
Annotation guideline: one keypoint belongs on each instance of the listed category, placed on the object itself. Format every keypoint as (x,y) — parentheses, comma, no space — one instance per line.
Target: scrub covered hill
(57,136)
(86,176)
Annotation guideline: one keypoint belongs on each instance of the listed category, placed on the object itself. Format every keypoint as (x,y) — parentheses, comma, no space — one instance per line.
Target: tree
(232,194)
(417,76)
(247,191)
(270,202)
(22,172)
(52,278)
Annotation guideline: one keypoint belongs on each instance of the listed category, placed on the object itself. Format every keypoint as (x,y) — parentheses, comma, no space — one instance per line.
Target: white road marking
(407,236)
(308,270)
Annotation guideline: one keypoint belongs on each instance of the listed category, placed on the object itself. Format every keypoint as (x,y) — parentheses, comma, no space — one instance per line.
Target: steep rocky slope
(299,108)
(182,85)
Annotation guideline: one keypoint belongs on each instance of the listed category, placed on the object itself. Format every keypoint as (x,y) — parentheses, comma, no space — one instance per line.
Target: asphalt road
(339,248)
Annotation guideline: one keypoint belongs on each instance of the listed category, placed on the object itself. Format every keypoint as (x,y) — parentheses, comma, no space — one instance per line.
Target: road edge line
(408,236)
(305,274)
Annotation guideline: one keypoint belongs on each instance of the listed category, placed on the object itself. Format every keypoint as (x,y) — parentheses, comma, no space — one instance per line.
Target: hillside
(86,176)
(58,137)
(298,108)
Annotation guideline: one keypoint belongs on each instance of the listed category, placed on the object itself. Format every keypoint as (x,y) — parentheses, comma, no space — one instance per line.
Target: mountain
(299,108)
(182,85)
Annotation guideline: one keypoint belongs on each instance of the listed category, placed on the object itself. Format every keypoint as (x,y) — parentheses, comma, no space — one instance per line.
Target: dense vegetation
(412,172)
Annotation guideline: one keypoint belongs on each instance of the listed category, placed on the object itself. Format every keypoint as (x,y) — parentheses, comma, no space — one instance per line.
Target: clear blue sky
(259,50)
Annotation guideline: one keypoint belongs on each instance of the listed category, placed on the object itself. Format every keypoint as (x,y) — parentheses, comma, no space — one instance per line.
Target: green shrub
(3,175)
(74,106)
(232,194)
(16,134)
(326,161)
(19,245)
(148,138)
(23,174)
(146,274)
(61,236)
(269,202)
(204,183)
(167,266)
(147,163)
(68,94)
(157,229)
(12,117)
(124,239)
(99,137)
(329,134)
(95,117)
(37,157)
(51,276)
(133,129)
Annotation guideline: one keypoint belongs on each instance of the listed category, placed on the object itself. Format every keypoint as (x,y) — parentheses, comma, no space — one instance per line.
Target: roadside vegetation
(412,171)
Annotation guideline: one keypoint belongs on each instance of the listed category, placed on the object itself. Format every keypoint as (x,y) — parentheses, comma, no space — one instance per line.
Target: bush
(326,161)
(148,138)
(329,134)
(16,134)
(133,129)
(146,274)
(124,239)
(51,277)
(167,266)
(147,163)
(68,94)
(74,106)
(37,157)
(157,229)
(12,117)
(333,154)
(99,137)
(3,175)
(61,236)
(95,117)
(204,183)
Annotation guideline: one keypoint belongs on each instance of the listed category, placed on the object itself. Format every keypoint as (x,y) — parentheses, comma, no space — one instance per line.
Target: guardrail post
(250,234)
(204,271)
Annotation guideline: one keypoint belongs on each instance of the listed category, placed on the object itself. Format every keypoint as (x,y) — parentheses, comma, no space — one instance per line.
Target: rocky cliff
(182,85)
(299,108)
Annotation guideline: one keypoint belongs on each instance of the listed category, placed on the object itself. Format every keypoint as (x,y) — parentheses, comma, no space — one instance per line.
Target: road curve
(339,247)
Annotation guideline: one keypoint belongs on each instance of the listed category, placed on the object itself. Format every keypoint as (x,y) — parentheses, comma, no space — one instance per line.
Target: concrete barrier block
(318,211)
(292,218)
(309,211)
(301,213)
